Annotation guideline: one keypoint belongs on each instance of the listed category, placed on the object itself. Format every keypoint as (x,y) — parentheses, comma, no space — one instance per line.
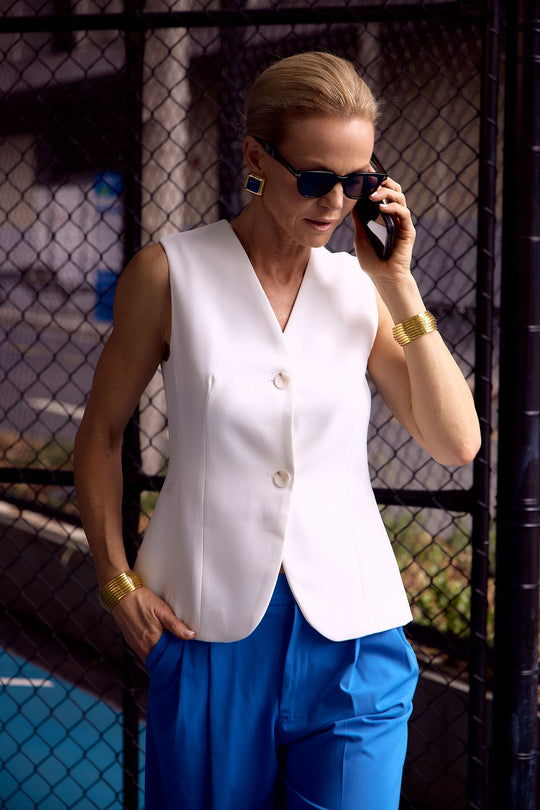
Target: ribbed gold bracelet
(414,327)
(117,588)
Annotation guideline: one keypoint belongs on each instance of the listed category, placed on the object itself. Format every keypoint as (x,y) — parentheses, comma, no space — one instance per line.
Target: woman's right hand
(142,616)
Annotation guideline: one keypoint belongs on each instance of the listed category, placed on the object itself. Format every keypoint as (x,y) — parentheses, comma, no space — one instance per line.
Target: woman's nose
(334,198)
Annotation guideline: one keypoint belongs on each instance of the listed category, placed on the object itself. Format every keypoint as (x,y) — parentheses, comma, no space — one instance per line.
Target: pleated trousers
(283,719)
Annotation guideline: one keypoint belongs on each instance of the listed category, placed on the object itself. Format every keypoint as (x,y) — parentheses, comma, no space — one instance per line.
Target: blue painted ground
(60,747)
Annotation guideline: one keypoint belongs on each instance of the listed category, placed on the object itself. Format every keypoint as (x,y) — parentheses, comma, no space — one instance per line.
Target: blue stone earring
(255,184)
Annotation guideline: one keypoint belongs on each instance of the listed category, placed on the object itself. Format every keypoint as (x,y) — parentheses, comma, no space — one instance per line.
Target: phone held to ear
(378,225)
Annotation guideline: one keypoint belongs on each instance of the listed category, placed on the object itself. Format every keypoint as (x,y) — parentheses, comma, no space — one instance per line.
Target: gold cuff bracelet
(117,588)
(414,327)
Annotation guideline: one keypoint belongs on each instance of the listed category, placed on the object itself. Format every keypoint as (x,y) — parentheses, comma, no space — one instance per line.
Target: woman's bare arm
(421,382)
(138,342)
(424,388)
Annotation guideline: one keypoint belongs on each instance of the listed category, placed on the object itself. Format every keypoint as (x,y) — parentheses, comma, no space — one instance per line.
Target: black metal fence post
(477,748)
(518,529)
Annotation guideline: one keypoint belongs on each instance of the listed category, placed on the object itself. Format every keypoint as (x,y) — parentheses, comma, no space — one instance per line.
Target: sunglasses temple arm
(378,165)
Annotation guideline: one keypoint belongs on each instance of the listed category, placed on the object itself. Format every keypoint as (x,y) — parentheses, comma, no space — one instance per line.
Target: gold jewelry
(255,184)
(117,588)
(414,327)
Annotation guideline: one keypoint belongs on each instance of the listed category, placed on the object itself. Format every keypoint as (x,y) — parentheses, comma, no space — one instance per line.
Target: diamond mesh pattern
(68,185)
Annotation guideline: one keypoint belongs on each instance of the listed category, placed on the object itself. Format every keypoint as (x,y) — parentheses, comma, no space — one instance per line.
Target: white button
(281,478)
(282,380)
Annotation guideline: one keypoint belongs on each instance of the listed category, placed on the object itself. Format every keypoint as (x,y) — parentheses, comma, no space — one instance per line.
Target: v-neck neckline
(260,291)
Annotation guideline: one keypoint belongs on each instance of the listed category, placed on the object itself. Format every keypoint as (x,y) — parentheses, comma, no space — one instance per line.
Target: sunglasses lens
(356,186)
(362,185)
(315,184)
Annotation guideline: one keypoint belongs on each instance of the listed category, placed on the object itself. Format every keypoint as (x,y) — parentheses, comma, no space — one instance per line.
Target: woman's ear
(253,153)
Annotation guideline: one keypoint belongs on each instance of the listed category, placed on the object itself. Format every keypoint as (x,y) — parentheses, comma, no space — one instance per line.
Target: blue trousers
(284,718)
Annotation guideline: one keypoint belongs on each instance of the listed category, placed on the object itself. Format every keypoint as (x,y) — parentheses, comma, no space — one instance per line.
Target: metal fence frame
(477,500)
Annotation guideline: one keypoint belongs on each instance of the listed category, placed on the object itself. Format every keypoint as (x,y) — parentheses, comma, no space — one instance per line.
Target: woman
(266,690)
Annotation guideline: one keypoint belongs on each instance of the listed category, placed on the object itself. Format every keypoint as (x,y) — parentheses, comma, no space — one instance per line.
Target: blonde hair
(306,84)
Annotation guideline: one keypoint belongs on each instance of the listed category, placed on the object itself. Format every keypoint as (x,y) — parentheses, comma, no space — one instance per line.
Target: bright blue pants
(284,718)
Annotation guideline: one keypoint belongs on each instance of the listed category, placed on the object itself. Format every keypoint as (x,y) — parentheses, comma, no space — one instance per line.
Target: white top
(268,443)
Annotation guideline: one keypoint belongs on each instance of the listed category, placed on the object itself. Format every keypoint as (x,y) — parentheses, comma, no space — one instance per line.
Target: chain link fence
(117,128)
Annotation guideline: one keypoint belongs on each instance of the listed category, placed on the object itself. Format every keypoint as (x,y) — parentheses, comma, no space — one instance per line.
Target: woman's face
(318,142)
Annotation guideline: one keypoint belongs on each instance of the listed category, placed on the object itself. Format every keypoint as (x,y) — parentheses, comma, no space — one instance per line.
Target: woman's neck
(277,259)
(279,268)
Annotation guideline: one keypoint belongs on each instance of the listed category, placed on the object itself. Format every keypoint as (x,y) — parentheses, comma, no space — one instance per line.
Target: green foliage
(24,452)
(436,570)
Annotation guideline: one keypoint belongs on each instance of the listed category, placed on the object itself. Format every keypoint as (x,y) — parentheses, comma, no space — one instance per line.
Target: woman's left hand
(391,199)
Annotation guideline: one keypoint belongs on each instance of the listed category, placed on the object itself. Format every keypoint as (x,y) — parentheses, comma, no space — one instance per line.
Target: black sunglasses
(317,183)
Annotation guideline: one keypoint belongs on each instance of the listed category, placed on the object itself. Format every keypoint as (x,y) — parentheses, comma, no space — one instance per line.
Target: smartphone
(378,225)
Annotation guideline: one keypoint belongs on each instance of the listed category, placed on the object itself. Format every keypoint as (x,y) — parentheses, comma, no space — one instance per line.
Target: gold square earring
(255,184)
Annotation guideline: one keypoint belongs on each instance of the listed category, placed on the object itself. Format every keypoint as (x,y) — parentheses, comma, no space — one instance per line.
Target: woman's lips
(321,225)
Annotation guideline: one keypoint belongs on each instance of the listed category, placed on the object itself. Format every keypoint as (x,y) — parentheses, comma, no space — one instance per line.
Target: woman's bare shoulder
(142,299)
(149,264)
(145,278)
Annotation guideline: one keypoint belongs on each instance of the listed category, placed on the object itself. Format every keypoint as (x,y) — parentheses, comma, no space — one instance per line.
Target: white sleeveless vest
(268,449)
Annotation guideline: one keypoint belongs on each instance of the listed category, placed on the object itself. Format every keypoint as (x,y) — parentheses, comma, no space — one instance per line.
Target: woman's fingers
(391,200)
(142,616)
